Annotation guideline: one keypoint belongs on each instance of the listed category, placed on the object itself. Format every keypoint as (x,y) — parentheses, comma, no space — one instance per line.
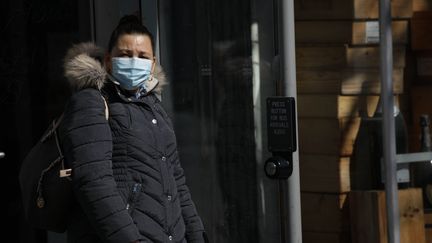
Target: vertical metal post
(150,16)
(389,137)
(290,188)
(92,20)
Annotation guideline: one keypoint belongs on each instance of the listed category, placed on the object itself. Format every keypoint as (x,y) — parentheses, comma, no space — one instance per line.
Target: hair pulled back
(128,24)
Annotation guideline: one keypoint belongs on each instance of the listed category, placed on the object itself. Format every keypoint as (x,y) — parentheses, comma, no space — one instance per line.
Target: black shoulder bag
(46,183)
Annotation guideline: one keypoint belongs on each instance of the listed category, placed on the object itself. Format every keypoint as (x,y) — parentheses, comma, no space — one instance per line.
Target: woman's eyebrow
(145,53)
(124,50)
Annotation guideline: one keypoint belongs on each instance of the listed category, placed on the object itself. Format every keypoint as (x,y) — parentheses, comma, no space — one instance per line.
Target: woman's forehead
(138,42)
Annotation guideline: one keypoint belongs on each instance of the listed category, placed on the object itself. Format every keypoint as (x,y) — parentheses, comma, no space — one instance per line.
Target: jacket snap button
(170,237)
(163,158)
(169,197)
(154,121)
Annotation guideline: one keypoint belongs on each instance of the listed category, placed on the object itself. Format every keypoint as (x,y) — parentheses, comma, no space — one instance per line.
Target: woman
(126,173)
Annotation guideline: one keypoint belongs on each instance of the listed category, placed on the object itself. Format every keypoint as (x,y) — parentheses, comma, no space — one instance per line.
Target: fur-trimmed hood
(83,68)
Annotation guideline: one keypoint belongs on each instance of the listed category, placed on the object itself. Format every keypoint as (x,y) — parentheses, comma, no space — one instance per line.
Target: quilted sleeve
(87,145)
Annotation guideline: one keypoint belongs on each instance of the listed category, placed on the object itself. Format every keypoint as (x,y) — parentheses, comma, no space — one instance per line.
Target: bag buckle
(65,173)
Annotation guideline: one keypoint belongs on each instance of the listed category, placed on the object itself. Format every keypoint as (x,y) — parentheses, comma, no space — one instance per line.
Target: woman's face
(132,45)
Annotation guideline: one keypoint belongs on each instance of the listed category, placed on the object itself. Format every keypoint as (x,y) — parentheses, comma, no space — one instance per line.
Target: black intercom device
(281,134)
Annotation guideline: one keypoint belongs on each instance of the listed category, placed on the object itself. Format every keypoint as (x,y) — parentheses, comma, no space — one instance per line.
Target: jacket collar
(114,92)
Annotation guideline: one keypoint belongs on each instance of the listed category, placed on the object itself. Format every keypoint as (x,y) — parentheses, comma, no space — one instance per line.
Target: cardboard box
(368,214)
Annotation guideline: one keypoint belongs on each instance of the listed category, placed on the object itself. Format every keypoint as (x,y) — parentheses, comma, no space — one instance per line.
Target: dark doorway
(35,36)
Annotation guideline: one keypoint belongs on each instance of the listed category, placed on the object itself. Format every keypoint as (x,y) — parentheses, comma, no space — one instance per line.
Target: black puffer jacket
(127,177)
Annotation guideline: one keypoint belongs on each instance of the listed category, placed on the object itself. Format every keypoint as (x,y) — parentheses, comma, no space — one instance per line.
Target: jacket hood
(83,68)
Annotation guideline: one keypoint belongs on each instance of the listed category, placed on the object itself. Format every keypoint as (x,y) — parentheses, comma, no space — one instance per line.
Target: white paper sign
(372,32)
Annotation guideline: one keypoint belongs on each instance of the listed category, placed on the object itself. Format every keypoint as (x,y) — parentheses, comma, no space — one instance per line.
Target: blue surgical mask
(131,72)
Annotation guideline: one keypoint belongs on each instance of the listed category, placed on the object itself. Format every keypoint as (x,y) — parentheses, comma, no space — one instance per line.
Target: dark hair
(128,24)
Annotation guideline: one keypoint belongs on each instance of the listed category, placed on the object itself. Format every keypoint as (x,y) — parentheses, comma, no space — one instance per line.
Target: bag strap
(106,108)
(53,129)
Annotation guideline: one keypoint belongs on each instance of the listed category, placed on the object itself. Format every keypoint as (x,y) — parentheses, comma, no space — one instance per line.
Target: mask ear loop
(152,78)
(112,79)
(153,69)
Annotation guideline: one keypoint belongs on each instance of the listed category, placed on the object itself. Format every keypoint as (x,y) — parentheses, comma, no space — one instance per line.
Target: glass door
(218,55)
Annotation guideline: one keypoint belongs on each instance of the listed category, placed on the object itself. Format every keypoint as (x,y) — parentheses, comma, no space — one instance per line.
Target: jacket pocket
(133,197)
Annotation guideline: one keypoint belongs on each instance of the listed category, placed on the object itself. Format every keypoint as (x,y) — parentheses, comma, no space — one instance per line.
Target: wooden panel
(421,31)
(428,235)
(323,173)
(336,106)
(368,216)
(428,217)
(412,217)
(345,81)
(348,9)
(428,225)
(424,67)
(328,136)
(319,237)
(324,212)
(342,56)
(346,32)
(422,5)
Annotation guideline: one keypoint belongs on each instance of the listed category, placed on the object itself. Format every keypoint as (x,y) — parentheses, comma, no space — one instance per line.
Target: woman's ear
(107,62)
(154,65)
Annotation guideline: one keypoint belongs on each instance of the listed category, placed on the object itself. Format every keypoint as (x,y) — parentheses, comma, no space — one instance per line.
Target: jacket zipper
(166,189)
(131,202)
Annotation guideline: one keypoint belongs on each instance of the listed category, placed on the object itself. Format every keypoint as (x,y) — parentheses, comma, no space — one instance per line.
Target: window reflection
(214,114)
